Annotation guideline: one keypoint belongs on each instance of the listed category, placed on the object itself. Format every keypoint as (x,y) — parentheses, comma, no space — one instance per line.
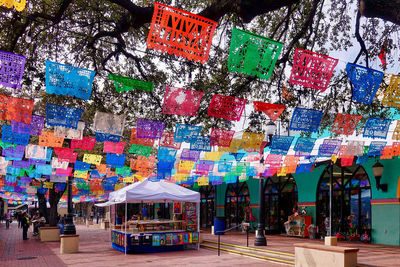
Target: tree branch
(361,41)
(388,10)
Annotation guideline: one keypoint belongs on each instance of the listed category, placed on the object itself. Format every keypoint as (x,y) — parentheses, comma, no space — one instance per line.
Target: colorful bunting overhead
(149,129)
(281,144)
(63,116)
(124,84)
(329,147)
(304,145)
(167,139)
(16,109)
(354,148)
(391,97)
(305,120)
(376,128)
(109,124)
(273,111)
(11,69)
(69,133)
(202,143)
(365,82)
(252,141)
(181,33)
(68,80)
(396,132)
(312,70)
(186,133)
(253,54)
(376,148)
(221,137)
(102,137)
(16,138)
(345,124)
(140,150)
(226,107)
(181,101)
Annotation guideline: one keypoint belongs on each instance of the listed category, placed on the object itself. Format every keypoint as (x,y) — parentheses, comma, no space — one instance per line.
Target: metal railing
(243,225)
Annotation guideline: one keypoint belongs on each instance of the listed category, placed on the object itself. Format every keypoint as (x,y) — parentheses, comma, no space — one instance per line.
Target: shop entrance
(280,200)
(351,203)
(236,199)
(207,205)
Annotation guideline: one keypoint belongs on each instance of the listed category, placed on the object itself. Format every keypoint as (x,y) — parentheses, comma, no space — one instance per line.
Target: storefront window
(351,202)
(237,197)
(280,199)
(207,206)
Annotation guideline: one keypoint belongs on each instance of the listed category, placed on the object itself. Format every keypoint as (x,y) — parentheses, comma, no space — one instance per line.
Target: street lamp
(260,239)
(377,169)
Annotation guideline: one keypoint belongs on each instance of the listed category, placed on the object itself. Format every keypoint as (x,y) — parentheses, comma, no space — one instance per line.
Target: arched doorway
(280,199)
(237,197)
(351,201)
(207,205)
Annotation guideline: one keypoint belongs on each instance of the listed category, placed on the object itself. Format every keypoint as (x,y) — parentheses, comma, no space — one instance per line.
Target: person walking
(8,219)
(25,225)
(19,218)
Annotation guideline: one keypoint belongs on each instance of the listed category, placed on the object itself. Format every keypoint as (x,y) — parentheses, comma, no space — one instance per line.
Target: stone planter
(69,244)
(48,234)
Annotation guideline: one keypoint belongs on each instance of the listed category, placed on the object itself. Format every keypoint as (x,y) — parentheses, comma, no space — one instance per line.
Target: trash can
(219,225)
(119,220)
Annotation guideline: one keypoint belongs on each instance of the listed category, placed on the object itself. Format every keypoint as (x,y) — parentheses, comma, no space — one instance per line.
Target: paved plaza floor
(95,250)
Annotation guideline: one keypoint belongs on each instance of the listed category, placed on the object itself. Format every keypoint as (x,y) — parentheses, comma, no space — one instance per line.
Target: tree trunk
(54,198)
(43,206)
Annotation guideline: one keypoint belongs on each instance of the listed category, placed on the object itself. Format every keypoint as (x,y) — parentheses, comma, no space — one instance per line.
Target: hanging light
(270,128)
(377,170)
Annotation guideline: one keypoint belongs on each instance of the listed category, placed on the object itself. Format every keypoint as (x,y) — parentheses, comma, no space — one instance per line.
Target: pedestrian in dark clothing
(25,226)
(19,218)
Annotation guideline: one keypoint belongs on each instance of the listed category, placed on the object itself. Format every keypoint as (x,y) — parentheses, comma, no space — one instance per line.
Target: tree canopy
(110,38)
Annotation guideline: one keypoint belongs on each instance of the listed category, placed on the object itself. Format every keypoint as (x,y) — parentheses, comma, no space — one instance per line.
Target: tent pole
(126,222)
(198,222)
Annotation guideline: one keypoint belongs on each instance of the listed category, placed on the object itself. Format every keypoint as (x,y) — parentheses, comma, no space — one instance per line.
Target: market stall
(156,235)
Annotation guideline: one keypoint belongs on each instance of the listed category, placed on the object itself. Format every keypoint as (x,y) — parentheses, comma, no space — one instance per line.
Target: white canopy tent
(153,192)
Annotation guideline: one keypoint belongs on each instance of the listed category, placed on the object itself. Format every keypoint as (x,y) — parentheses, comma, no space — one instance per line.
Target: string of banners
(30,167)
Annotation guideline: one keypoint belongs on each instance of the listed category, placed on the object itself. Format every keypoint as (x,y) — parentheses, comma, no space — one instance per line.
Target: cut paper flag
(16,109)
(345,124)
(312,70)
(87,143)
(391,97)
(63,116)
(273,111)
(11,67)
(281,144)
(48,139)
(140,141)
(124,84)
(111,147)
(396,132)
(376,128)
(181,33)
(305,120)
(179,101)
(68,80)
(329,147)
(253,54)
(226,107)
(149,129)
(186,133)
(365,82)
(108,123)
(304,146)
(221,137)
(69,133)
(167,140)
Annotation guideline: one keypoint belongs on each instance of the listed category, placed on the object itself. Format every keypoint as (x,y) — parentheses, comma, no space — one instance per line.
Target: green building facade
(358,206)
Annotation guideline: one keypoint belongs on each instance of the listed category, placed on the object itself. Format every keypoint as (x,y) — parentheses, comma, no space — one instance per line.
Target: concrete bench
(328,256)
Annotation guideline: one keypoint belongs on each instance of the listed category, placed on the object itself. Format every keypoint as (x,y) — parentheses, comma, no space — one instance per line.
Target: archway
(237,197)
(351,201)
(280,199)
(207,206)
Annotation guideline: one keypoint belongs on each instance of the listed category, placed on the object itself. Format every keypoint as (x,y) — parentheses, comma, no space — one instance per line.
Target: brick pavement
(95,250)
